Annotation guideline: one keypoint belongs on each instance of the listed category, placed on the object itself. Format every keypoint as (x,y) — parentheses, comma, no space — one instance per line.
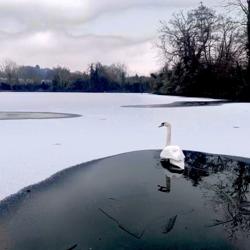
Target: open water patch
(180,104)
(34,115)
(130,201)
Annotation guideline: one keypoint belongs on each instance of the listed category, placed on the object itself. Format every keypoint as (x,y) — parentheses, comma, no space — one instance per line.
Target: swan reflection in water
(225,183)
(169,172)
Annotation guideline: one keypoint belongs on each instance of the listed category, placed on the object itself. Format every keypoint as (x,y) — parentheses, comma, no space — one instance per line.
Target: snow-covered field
(32,150)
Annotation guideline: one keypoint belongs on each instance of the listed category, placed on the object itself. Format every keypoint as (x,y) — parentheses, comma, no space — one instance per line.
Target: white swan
(172,153)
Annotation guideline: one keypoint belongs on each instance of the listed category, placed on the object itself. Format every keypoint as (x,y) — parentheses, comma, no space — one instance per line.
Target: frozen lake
(32,150)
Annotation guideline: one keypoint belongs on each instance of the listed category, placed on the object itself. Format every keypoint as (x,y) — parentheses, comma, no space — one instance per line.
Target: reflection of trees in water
(199,165)
(232,201)
(230,195)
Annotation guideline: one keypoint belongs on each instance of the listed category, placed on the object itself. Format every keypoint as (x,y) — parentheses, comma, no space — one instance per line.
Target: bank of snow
(32,150)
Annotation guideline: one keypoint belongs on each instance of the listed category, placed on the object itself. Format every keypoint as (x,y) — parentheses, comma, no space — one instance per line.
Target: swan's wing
(172,152)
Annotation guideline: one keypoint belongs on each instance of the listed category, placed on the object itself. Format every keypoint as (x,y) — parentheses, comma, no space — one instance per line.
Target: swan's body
(172,153)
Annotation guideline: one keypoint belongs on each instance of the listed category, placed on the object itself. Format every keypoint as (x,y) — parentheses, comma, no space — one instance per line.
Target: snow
(32,150)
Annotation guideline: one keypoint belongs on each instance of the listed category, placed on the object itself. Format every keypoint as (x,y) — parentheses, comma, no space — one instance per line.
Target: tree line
(206,54)
(98,78)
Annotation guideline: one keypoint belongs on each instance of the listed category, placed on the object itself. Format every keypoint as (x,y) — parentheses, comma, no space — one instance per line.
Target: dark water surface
(34,115)
(130,201)
(181,104)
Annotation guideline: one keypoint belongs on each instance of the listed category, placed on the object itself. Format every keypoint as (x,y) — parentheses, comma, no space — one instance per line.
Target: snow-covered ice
(32,150)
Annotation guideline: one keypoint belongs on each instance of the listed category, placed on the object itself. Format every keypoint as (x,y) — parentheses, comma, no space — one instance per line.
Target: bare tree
(248,33)
(187,38)
(244,6)
(229,49)
(117,73)
(207,54)
(61,77)
(10,70)
(201,37)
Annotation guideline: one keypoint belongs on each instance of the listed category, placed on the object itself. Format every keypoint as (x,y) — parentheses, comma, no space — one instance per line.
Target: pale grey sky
(74,33)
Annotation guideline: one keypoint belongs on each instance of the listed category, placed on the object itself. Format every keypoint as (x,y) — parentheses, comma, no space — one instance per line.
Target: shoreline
(56,176)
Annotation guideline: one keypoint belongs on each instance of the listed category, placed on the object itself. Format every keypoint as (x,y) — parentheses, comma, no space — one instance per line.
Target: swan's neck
(168,136)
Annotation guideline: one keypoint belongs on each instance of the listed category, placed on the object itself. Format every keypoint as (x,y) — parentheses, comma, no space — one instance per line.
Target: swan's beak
(161,126)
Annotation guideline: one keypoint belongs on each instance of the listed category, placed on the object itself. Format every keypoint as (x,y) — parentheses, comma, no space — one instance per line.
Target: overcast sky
(74,33)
